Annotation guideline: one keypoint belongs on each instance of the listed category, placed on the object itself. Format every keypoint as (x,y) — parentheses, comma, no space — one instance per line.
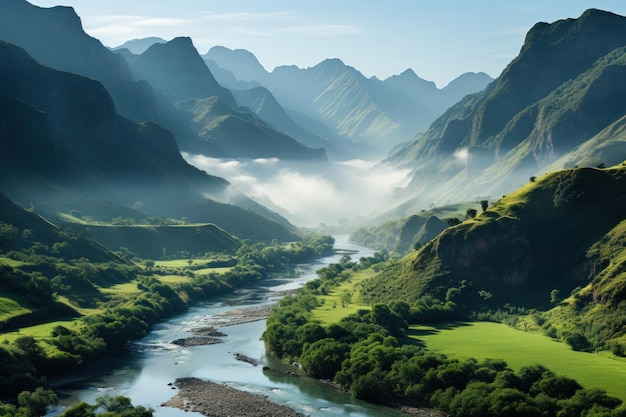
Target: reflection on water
(154,362)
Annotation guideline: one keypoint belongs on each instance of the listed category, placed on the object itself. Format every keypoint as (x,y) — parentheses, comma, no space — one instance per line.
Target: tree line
(369,354)
(27,362)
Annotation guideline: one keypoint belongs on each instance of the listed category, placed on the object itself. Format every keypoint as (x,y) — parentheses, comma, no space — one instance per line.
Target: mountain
(204,116)
(227,78)
(565,87)
(261,101)
(177,67)
(241,63)
(55,37)
(64,147)
(372,113)
(211,127)
(401,234)
(563,232)
(439,100)
(139,46)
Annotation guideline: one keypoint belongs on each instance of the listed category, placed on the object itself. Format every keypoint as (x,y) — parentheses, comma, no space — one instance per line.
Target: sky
(439,40)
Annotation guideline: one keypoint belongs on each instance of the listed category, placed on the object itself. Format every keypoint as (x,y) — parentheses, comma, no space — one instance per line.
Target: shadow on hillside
(430,329)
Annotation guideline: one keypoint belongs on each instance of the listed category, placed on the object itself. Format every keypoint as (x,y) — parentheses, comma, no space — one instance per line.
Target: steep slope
(561,234)
(177,67)
(525,245)
(361,110)
(63,143)
(241,63)
(370,112)
(203,115)
(261,101)
(565,86)
(55,37)
(427,93)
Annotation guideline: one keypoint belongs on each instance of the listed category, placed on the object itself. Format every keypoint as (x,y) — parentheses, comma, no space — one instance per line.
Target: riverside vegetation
(66,300)
(377,355)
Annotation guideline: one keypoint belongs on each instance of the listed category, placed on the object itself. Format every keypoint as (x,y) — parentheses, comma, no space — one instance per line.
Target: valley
(347,244)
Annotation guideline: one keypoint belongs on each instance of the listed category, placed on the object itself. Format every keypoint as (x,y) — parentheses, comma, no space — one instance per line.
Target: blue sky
(439,40)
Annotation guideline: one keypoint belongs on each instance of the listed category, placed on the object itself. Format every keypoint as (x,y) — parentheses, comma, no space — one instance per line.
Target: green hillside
(558,102)
(560,232)
(401,235)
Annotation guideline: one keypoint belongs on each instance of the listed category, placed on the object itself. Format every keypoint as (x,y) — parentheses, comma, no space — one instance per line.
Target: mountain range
(372,113)
(64,147)
(562,94)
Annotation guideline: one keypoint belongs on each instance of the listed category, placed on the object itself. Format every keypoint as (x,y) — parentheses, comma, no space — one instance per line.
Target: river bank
(154,361)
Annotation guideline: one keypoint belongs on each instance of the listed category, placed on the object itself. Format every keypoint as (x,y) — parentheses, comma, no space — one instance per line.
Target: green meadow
(482,340)
(13,307)
(341,301)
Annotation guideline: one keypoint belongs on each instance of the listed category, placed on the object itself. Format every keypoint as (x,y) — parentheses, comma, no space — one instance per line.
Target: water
(153,362)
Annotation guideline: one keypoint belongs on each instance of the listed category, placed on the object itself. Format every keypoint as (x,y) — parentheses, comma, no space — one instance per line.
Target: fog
(310,193)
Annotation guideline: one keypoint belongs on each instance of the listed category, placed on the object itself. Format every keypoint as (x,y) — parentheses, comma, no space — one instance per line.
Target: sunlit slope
(565,88)
(554,233)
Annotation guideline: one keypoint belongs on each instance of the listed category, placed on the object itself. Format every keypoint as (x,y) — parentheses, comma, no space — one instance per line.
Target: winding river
(153,362)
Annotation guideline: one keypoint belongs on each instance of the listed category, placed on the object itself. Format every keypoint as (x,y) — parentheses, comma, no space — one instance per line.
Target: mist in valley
(331,194)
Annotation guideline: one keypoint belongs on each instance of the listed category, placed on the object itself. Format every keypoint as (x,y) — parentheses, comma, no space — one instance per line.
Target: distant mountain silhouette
(64,147)
(177,67)
(373,113)
(139,46)
(240,62)
(55,37)
(204,116)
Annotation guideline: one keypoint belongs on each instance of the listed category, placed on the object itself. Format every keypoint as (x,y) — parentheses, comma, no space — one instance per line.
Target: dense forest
(373,354)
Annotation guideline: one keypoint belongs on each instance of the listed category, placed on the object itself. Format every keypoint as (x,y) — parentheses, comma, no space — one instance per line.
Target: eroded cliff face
(500,251)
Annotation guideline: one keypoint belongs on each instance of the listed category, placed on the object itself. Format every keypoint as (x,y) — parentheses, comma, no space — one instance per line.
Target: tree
(149,264)
(470,213)
(37,402)
(453,221)
(554,297)
(484,204)
(533,178)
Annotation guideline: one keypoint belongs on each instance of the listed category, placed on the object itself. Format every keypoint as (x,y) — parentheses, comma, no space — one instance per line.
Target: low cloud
(310,193)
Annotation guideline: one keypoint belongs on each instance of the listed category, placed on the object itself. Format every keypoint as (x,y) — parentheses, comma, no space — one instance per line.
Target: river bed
(154,362)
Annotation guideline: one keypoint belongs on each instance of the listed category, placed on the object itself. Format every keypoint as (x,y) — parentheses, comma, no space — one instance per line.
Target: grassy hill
(560,232)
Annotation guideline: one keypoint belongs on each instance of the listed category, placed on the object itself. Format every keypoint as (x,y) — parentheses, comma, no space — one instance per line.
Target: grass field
(342,301)
(11,262)
(221,270)
(482,340)
(11,308)
(39,331)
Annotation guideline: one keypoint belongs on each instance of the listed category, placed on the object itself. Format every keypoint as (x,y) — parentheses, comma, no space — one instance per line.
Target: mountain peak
(332,62)
(241,62)
(177,66)
(139,46)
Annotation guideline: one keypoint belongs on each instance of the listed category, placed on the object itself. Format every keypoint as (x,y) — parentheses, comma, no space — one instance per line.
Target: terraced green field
(482,340)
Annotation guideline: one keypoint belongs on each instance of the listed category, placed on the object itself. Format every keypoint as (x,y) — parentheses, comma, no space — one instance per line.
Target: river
(153,362)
